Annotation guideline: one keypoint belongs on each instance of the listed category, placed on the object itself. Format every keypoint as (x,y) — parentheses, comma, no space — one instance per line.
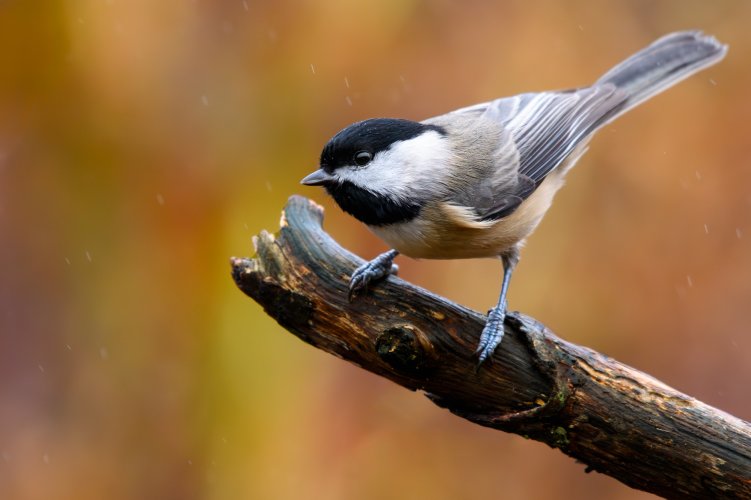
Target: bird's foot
(376,269)
(492,334)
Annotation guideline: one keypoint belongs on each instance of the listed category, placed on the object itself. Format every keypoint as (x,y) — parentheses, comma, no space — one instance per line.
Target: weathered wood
(611,417)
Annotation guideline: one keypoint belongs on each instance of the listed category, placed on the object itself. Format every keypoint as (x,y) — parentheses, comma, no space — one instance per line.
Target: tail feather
(664,63)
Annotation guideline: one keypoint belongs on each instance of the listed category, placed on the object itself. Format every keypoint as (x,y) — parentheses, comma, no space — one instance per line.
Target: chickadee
(475,182)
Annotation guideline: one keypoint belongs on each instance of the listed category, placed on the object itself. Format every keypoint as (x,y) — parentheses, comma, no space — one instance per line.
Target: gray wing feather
(546,127)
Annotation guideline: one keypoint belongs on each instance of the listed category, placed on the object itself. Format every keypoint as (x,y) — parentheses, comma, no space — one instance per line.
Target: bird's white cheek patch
(406,169)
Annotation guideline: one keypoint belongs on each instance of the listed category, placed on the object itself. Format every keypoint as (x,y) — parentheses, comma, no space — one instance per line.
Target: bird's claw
(492,334)
(376,269)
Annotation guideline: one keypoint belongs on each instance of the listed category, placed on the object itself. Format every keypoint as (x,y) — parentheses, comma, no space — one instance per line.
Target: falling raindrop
(312,68)
(205,100)
(346,82)
(349,101)
(706,228)
(88,256)
(160,199)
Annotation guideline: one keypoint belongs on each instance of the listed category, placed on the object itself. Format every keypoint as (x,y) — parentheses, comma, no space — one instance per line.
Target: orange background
(143,143)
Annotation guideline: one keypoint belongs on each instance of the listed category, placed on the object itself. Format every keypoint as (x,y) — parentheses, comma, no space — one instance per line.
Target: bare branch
(611,417)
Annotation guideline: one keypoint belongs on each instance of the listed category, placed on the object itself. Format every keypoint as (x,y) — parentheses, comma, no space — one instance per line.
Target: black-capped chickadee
(475,182)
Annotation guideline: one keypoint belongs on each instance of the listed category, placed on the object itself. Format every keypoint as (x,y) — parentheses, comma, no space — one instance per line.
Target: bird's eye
(362,158)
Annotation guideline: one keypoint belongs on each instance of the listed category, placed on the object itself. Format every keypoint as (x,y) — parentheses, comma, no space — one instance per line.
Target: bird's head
(380,169)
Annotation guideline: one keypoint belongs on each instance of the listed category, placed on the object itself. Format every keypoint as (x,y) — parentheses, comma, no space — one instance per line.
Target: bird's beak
(318,178)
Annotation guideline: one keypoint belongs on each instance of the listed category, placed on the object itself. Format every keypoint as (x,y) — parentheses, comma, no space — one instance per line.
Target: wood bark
(609,416)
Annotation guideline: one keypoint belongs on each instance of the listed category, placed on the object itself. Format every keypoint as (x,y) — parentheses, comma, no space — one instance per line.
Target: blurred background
(143,143)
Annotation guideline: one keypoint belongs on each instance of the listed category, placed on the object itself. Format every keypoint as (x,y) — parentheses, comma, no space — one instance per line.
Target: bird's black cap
(373,136)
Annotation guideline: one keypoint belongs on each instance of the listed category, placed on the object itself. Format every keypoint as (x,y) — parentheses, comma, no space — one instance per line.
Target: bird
(475,182)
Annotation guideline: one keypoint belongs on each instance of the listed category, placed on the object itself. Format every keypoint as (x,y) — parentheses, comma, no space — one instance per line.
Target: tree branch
(611,417)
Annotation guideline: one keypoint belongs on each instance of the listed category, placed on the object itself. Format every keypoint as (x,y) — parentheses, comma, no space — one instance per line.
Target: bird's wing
(545,129)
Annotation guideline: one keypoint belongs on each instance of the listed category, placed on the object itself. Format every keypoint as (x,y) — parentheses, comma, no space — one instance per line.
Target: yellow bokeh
(143,143)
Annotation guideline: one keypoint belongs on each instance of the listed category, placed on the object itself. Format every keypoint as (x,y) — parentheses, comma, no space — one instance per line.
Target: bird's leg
(378,268)
(492,334)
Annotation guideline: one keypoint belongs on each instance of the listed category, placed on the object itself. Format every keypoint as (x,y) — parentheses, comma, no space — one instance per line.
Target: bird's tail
(661,65)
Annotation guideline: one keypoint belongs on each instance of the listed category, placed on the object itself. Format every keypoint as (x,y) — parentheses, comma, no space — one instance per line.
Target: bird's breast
(447,231)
